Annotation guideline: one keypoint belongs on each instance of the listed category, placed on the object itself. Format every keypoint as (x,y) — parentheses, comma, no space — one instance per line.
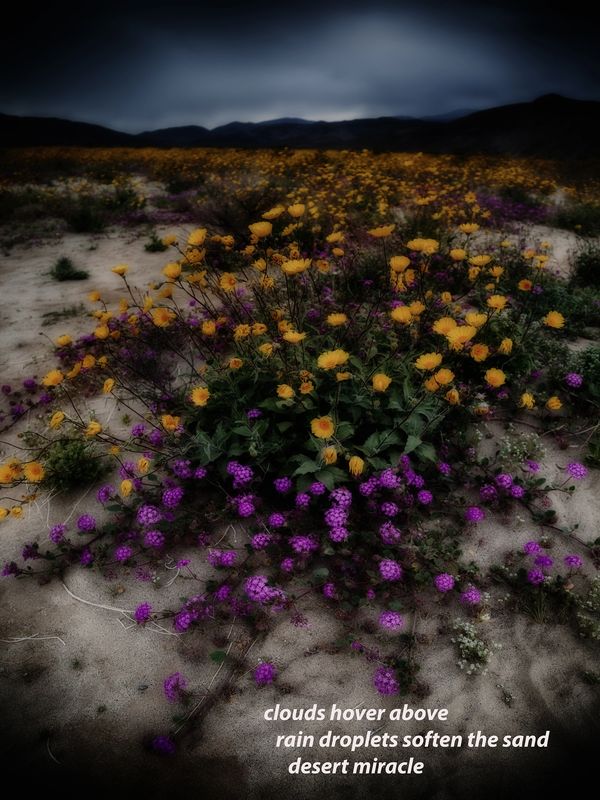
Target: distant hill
(551,126)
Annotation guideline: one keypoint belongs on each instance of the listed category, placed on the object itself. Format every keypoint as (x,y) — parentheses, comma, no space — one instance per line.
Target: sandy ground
(79,702)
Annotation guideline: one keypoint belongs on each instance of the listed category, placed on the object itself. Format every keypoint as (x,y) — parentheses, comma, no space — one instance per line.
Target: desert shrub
(72,464)
(85,215)
(583,218)
(155,245)
(587,269)
(65,270)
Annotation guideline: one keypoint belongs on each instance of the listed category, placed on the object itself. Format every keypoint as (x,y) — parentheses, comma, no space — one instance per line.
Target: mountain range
(550,126)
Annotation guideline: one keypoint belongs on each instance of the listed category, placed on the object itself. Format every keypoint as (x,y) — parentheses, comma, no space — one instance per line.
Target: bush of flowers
(323,389)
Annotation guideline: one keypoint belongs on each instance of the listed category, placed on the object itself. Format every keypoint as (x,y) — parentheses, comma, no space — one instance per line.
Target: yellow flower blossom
(322,427)
(380,382)
(285,391)
(200,395)
(554,319)
(356,466)
(33,471)
(495,377)
(336,319)
(331,359)
(428,361)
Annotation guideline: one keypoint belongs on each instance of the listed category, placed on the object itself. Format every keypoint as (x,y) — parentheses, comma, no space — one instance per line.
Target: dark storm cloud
(136,66)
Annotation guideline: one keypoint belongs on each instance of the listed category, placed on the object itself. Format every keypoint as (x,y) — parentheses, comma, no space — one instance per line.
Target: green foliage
(67,312)
(583,218)
(65,270)
(72,464)
(155,245)
(587,267)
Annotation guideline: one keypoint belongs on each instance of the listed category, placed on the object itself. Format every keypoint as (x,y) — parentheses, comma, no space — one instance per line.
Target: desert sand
(81,684)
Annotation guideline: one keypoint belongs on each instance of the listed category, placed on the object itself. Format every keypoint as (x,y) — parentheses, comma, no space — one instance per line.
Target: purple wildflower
(154,539)
(303,544)
(385,681)
(535,576)
(389,509)
(276,520)
(389,533)
(574,380)
(265,673)
(174,687)
(444,582)
(339,534)
(573,562)
(260,541)
(172,497)
(425,497)
(282,485)
(57,532)
(391,620)
(142,613)
(302,500)
(471,596)
(163,745)
(86,523)
(123,553)
(390,570)
(531,548)
(104,493)
(335,517)
(576,470)
(148,515)
(474,514)
(504,480)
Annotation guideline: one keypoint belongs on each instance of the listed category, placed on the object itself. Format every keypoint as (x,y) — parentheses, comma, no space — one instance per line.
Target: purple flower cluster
(57,532)
(174,687)
(444,582)
(385,681)
(86,523)
(148,515)
(245,505)
(241,474)
(390,570)
(474,514)
(573,380)
(172,497)
(389,533)
(391,620)
(576,470)
(154,538)
(282,485)
(105,493)
(142,613)
(265,673)
(221,558)
(471,596)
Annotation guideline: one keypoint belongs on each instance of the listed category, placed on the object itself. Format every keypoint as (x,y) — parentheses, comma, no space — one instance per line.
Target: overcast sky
(136,66)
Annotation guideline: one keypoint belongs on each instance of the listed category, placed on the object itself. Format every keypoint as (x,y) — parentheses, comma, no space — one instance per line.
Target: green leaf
(343,431)
(306,467)
(427,452)
(218,656)
(331,476)
(411,444)
(320,573)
